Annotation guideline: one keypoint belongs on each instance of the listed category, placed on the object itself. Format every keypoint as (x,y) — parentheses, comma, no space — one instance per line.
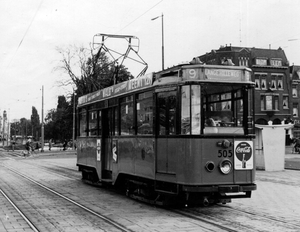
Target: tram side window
(82,123)
(167,112)
(116,120)
(144,110)
(93,123)
(127,116)
(100,122)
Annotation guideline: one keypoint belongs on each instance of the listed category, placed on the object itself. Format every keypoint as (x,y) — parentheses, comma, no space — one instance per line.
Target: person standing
(28,146)
(65,145)
(50,144)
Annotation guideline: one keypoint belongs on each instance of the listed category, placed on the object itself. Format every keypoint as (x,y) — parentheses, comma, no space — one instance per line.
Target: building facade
(295,78)
(271,74)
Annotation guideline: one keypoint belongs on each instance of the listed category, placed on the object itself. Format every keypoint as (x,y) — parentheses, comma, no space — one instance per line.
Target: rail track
(19,211)
(106,222)
(214,218)
(232,219)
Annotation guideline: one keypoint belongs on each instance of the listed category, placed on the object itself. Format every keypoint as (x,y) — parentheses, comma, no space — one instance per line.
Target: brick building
(271,74)
(295,78)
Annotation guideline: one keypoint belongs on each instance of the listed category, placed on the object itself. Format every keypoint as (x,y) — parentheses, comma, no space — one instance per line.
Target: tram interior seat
(211,130)
(212,127)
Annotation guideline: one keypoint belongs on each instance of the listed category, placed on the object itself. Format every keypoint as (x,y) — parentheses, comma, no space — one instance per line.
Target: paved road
(292,160)
(276,198)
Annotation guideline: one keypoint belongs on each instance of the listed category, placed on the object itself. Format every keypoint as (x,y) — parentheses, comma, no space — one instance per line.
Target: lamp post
(162,34)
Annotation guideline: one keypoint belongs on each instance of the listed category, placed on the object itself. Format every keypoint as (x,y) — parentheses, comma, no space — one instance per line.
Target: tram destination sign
(115,90)
(216,74)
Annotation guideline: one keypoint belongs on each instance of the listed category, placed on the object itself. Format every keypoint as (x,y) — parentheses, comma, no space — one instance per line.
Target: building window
(262,103)
(275,62)
(273,82)
(257,82)
(243,61)
(276,81)
(294,91)
(263,82)
(279,82)
(260,80)
(285,102)
(269,102)
(295,110)
(276,102)
(261,61)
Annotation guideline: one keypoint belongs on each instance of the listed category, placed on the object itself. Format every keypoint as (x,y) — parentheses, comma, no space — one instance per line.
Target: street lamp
(162,33)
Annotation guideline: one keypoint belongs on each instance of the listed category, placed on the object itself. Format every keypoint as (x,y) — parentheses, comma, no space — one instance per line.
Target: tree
(89,72)
(58,122)
(35,123)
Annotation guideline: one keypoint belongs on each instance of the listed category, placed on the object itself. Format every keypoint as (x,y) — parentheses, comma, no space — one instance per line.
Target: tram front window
(222,109)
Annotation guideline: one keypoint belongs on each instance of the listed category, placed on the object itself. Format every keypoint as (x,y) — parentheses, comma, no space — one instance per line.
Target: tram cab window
(82,123)
(190,109)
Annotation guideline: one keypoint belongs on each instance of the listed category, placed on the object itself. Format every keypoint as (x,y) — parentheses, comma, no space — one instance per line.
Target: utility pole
(73,134)
(42,150)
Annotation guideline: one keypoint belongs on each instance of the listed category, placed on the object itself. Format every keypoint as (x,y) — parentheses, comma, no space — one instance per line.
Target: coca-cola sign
(243,153)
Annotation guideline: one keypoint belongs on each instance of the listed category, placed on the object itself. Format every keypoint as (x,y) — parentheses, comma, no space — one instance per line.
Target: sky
(32,31)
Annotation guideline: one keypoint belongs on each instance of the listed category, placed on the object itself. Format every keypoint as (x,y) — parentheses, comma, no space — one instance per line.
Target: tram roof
(176,74)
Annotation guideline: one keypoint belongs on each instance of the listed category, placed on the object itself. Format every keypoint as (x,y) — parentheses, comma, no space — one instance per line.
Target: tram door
(166,125)
(106,149)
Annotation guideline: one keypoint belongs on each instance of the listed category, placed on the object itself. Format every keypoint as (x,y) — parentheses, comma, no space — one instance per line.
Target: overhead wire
(24,36)
(140,16)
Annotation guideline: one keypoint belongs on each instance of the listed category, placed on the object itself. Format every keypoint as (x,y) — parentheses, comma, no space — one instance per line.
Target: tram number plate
(225,153)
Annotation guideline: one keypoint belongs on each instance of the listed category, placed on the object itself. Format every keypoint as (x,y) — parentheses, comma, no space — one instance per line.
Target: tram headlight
(226,166)
(210,166)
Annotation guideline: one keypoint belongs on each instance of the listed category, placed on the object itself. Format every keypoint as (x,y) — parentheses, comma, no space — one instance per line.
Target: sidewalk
(54,150)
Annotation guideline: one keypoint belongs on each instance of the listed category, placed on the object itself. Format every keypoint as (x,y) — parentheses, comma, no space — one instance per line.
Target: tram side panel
(136,157)
(86,152)
(81,154)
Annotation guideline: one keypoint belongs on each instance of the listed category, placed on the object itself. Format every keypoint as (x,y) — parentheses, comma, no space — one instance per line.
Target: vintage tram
(184,133)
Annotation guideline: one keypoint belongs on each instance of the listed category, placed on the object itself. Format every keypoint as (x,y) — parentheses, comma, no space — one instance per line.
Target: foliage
(59,121)
(35,123)
(89,72)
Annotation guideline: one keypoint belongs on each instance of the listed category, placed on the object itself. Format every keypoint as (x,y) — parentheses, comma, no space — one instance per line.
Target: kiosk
(270,146)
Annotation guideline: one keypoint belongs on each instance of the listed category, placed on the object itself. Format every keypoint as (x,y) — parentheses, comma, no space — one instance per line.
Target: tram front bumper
(233,191)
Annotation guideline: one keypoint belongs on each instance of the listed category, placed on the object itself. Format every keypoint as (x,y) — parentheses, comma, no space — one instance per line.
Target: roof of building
(253,52)
(295,72)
